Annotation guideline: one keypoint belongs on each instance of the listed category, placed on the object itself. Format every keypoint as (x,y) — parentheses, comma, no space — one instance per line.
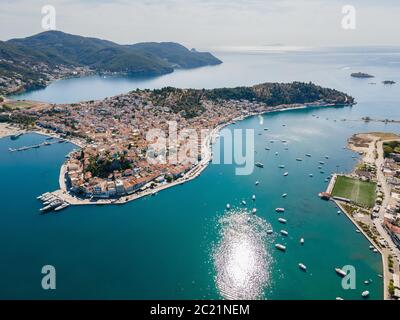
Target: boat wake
(241,257)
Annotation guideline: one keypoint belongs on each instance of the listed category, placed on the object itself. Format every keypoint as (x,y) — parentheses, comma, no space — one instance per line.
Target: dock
(35,146)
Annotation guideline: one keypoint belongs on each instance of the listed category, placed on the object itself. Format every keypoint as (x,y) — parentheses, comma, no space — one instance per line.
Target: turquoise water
(170,246)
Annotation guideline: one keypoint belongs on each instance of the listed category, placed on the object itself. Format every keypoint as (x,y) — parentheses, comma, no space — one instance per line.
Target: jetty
(35,146)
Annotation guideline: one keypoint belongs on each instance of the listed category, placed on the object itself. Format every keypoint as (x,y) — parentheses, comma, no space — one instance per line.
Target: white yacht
(281,220)
(286,174)
(365,294)
(340,272)
(280,209)
(302,267)
(284,195)
(284,233)
(282,166)
(257,183)
(302,241)
(253,197)
(280,247)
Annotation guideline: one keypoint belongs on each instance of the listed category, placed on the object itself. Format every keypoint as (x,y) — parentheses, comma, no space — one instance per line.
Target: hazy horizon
(211,24)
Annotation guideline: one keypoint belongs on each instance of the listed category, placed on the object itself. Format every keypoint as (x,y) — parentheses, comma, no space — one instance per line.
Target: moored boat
(340,272)
(280,247)
(302,267)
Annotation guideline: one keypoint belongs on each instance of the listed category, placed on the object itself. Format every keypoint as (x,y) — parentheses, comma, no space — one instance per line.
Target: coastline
(72,199)
(371,155)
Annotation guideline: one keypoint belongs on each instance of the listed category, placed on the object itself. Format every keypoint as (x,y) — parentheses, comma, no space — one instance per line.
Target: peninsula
(117,162)
(34,62)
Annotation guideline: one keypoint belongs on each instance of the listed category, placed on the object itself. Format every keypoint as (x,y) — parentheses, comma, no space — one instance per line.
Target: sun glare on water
(241,258)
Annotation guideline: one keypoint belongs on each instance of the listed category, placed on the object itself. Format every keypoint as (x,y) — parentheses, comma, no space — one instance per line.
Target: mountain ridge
(39,59)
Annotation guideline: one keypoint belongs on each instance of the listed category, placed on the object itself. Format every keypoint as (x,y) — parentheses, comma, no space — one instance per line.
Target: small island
(361,75)
(389,82)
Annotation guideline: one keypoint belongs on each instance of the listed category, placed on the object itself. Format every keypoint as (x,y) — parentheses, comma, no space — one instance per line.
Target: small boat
(253,197)
(281,220)
(254,211)
(299,159)
(365,294)
(267,149)
(326,157)
(243,202)
(321,162)
(339,212)
(284,195)
(302,241)
(339,298)
(358,231)
(366,282)
(284,233)
(375,250)
(228,206)
(311,175)
(276,153)
(302,267)
(308,155)
(284,141)
(257,183)
(282,166)
(259,164)
(280,209)
(270,231)
(286,174)
(340,272)
(271,141)
(265,129)
(371,247)
(280,247)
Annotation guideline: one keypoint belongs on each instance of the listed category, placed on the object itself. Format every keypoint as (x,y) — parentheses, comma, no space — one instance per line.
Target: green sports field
(360,192)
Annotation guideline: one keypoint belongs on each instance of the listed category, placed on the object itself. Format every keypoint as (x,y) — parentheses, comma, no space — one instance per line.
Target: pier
(35,146)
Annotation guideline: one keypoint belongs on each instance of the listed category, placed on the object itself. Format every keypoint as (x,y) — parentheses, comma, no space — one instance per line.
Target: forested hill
(35,60)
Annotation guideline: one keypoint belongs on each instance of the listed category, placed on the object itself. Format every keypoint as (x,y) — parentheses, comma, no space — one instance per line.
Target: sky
(211,24)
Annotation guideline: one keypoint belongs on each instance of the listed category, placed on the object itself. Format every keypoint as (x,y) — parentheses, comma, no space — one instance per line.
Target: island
(361,75)
(388,82)
(34,62)
(116,161)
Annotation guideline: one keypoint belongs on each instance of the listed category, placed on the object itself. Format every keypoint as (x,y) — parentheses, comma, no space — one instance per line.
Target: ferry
(284,195)
(365,294)
(281,220)
(302,241)
(286,174)
(302,267)
(340,272)
(280,247)
(284,233)
(259,164)
(254,211)
(280,209)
